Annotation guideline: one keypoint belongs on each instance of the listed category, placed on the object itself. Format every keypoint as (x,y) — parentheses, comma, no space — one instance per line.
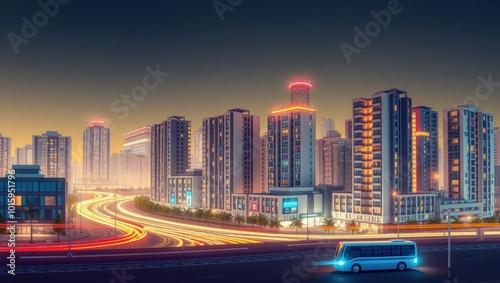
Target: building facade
(425,157)
(327,125)
(52,152)
(264,167)
(382,156)
(348,129)
(5,154)
(96,153)
(231,157)
(133,170)
(170,153)
(24,155)
(47,195)
(469,155)
(336,165)
(198,149)
(114,169)
(496,132)
(291,140)
(185,190)
(138,141)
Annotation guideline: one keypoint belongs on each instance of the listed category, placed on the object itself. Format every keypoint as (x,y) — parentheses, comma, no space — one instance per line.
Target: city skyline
(201,66)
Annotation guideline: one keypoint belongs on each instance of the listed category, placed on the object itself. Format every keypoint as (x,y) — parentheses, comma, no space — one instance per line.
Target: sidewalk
(47,238)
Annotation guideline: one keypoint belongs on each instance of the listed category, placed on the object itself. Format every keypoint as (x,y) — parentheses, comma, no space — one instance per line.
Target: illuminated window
(454,113)
(454,141)
(454,168)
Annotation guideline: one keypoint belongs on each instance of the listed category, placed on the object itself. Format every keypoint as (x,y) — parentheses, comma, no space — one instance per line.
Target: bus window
(408,250)
(396,250)
(352,253)
(366,251)
(386,251)
(377,251)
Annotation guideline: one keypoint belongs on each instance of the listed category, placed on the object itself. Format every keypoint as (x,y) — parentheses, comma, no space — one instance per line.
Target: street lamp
(307,219)
(396,200)
(449,244)
(69,236)
(115,210)
(81,199)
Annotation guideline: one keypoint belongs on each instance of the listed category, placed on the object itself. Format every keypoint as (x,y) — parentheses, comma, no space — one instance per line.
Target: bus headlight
(415,260)
(341,263)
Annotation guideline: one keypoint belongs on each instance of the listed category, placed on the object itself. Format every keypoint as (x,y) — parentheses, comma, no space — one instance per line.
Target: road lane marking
(208,277)
(135,254)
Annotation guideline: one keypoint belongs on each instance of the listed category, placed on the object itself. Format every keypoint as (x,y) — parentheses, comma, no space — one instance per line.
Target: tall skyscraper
(198,149)
(170,154)
(469,155)
(382,154)
(24,155)
(327,125)
(348,129)
(138,141)
(425,163)
(96,152)
(292,137)
(336,162)
(136,158)
(231,157)
(5,155)
(133,170)
(497,145)
(52,152)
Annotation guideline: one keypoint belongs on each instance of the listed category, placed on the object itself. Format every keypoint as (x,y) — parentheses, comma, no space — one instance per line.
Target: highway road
(470,264)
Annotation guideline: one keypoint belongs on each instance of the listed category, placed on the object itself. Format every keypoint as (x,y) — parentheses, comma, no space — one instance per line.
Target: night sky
(91,52)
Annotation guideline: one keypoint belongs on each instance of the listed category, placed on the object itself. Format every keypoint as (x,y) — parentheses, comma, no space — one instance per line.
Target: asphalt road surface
(469,265)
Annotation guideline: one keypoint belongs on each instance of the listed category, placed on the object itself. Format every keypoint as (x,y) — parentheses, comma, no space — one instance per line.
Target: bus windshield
(338,250)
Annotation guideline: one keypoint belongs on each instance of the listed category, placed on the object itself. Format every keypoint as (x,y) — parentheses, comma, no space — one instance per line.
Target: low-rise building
(47,195)
(185,190)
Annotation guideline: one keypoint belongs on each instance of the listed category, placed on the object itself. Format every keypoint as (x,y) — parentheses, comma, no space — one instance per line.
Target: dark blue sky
(91,52)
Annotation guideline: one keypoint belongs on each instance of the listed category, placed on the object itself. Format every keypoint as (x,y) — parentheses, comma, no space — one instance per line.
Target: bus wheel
(356,268)
(401,266)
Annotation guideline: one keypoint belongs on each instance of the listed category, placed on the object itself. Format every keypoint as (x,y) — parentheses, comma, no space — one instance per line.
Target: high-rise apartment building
(138,141)
(336,162)
(231,157)
(5,155)
(348,129)
(198,149)
(382,160)
(291,141)
(133,170)
(24,155)
(263,159)
(96,153)
(496,132)
(425,157)
(327,125)
(170,154)
(469,155)
(52,152)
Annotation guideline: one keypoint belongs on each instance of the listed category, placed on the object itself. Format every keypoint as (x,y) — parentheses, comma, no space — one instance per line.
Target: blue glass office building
(48,195)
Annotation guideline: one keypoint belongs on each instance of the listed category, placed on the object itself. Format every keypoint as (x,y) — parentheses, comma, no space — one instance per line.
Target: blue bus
(375,255)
